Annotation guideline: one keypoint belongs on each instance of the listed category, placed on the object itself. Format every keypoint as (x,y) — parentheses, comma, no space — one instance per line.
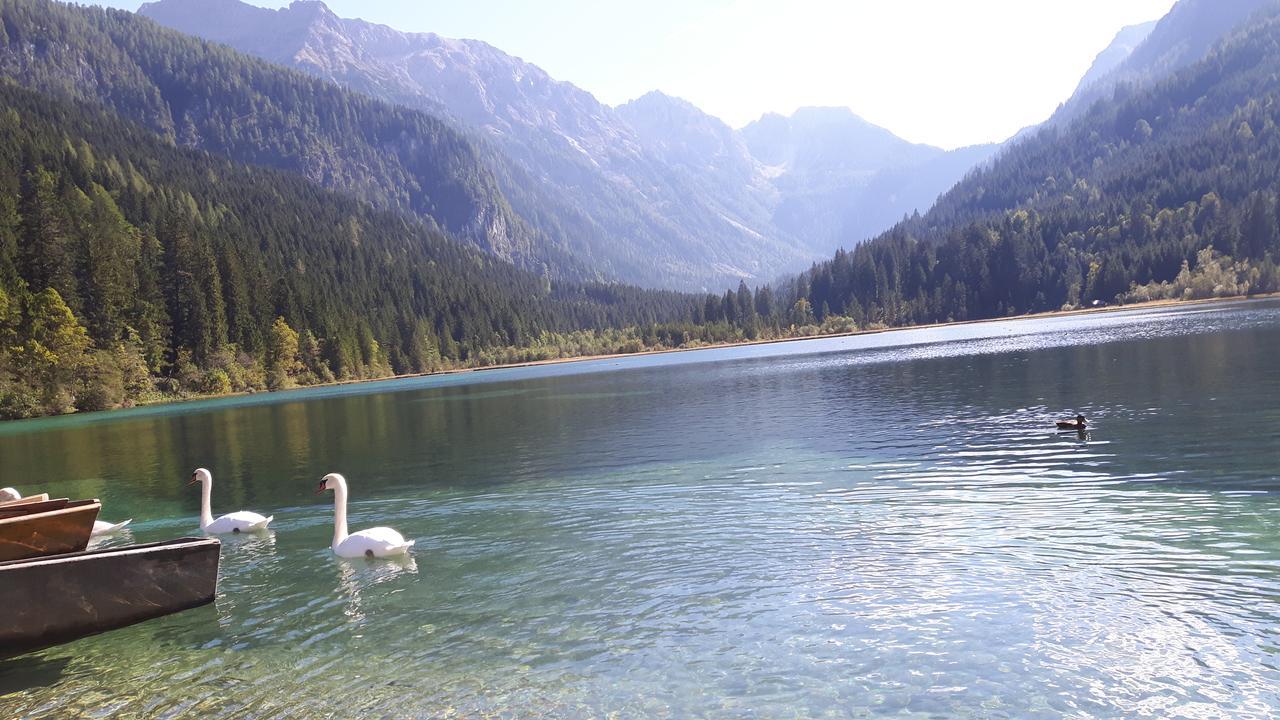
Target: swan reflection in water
(358,575)
(247,558)
(245,548)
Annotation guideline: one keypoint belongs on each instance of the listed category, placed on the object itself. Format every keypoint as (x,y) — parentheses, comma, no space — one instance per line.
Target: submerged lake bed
(878,525)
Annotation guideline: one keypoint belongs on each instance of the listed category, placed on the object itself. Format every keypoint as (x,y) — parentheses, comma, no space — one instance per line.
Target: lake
(881,525)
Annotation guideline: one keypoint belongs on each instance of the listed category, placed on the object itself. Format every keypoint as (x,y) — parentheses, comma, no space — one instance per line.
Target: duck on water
(1077,424)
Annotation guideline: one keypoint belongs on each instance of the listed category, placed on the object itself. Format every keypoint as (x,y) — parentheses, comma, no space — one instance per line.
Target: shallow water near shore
(873,526)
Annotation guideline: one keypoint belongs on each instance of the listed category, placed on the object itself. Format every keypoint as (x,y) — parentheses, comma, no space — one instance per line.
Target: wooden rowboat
(30,508)
(26,500)
(60,598)
(62,530)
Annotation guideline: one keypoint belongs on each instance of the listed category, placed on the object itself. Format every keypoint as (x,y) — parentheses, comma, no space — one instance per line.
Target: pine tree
(47,260)
(113,254)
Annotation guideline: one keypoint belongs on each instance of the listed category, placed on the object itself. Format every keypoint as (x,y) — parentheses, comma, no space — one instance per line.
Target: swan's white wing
(101,527)
(247,517)
(384,535)
(243,521)
(378,541)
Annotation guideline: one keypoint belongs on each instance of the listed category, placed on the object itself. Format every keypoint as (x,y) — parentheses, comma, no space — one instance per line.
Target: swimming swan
(100,527)
(374,542)
(236,522)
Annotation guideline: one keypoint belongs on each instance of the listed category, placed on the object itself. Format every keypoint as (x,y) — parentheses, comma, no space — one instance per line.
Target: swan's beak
(193,479)
(321,488)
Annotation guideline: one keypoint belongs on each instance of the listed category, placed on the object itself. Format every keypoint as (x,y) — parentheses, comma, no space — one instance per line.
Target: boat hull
(56,599)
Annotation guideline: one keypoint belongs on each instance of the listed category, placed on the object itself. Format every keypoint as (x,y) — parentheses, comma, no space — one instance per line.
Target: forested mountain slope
(1125,194)
(126,261)
(574,167)
(1182,37)
(653,191)
(1119,50)
(204,96)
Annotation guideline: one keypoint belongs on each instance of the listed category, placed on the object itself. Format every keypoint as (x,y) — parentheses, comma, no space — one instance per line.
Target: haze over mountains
(1145,53)
(842,179)
(654,192)
(1121,47)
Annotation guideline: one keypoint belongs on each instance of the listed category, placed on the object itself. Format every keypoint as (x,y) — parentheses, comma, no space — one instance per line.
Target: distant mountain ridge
(817,137)
(214,99)
(570,164)
(192,205)
(654,191)
(1162,189)
(1145,53)
(1114,55)
(842,179)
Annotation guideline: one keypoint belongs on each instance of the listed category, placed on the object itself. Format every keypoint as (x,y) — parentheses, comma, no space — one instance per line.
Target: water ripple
(887,528)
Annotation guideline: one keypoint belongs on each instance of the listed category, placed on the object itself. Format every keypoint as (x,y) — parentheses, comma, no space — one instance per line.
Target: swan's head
(7,494)
(331,482)
(200,476)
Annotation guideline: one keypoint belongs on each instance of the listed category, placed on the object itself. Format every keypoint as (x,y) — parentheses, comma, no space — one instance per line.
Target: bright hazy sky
(945,72)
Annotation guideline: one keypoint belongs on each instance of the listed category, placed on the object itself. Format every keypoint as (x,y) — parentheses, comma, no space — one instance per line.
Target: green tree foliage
(188,273)
(206,96)
(802,313)
(50,357)
(137,263)
(1215,275)
(1128,195)
(283,359)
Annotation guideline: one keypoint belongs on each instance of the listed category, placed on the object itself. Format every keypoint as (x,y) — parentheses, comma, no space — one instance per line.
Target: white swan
(100,527)
(236,522)
(374,542)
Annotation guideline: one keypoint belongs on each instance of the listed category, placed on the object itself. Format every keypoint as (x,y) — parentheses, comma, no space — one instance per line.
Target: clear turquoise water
(882,526)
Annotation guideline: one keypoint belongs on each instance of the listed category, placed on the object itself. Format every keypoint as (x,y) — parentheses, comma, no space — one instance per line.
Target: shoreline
(773,341)
(665,351)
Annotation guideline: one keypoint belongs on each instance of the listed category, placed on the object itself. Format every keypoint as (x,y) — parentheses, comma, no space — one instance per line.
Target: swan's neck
(206,515)
(339,514)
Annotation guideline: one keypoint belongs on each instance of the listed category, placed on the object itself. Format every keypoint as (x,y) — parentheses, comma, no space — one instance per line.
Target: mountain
(1121,47)
(1167,189)
(211,98)
(705,155)
(1182,37)
(826,139)
(129,265)
(841,179)
(572,166)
